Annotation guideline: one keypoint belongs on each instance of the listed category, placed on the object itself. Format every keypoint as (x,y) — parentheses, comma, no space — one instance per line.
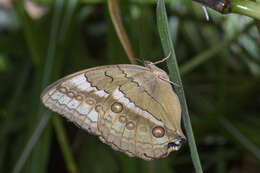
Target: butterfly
(132,108)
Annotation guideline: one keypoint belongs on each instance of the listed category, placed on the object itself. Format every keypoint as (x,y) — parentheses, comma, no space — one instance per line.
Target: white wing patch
(82,84)
(64,100)
(93,115)
(56,95)
(76,80)
(84,108)
(73,104)
(101,93)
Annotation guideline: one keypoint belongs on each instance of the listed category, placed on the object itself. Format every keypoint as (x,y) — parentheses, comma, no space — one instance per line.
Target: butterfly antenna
(140,60)
(164,59)
(205,12)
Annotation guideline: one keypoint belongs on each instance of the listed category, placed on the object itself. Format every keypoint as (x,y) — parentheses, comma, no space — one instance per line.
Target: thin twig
(116,19)
(222,6)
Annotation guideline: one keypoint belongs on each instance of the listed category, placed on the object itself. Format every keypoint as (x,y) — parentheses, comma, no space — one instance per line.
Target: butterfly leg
(161,61)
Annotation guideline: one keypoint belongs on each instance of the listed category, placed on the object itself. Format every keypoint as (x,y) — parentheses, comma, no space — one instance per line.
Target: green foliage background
(220,69)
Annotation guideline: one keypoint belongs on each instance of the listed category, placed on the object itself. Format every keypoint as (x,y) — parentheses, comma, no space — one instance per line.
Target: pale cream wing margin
(77,99)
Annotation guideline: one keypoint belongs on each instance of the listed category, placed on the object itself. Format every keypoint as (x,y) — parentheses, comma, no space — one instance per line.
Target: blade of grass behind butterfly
(174,73)
(248,8)
(70,38)
(70,8)
(114,12)
(63,141)
(244,141)
(143,32)
(9,121)
(204,56)
(40,152)
(243,7)
(29,31)
(58,125)
(115,50)
(257,21)
(35,52)
(43,115)
(12,107)
(61,134)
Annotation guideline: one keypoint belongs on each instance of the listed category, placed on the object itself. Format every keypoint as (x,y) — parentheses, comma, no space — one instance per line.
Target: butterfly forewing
(78,101)
(127,106)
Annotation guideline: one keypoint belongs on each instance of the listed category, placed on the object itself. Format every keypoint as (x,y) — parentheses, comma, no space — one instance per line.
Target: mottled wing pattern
(77,100)
(123,104)
(129,129)
(136,83)
(146,103)
(154,95)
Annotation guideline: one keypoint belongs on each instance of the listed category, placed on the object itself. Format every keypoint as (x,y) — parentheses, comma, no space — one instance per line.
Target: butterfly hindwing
(124,128)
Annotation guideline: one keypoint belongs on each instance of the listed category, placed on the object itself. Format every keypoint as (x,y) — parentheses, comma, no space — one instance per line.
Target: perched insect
(130,107)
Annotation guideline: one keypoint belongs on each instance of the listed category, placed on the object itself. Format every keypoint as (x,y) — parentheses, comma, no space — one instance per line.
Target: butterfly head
(175,145)
(156,70)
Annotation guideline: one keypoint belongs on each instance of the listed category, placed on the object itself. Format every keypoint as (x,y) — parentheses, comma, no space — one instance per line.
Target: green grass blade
(52,43)
(196,61)
(240,137)
(206,55)
(44,116)
(44,141)
(71,6)
(58,126)
(174,73)
(62,138)
(11,112)
(32,142)
(12,109)
(249,8)
(29,31)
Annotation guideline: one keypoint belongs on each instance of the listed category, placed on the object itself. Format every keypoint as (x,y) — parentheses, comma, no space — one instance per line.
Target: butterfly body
(131,108)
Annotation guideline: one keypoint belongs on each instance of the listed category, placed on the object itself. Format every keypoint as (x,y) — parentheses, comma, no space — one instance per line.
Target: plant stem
(165,35)
(249,8)
(114,12)
(222,6)
(244,7)
(63,140)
